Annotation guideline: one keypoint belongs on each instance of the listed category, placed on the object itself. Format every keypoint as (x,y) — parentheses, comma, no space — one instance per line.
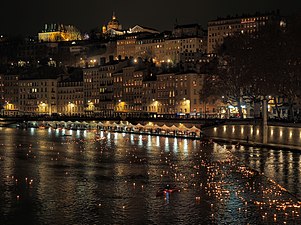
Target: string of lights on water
(101,177)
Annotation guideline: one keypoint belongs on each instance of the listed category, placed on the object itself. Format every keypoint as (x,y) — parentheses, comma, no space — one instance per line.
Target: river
(59,176)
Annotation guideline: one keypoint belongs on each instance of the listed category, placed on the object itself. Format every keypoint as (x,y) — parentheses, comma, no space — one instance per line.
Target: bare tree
(262,64)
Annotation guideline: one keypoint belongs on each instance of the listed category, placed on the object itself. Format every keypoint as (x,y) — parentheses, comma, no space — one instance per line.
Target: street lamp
(9,106)
(154,105)
(71,105)
(186,103)
(90,107)
(42,107)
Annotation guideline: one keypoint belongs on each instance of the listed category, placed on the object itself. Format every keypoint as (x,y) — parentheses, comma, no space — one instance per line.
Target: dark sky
(27,17)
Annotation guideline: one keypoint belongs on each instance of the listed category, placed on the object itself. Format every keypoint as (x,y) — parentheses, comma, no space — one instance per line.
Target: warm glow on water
(80,177)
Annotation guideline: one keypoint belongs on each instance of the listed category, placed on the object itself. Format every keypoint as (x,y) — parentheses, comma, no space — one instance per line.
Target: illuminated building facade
(179,93)
(128,89)
(70,95)
(98,87)
(126,47)
(38,96)
(113,28)
(149,94)
(59,32)
(162,48)
(151,48)
(223,27)
(9,93)
(187,93)
(166,93)
(132,88)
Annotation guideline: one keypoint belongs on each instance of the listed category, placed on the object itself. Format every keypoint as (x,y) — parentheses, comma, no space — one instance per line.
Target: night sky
(28,17)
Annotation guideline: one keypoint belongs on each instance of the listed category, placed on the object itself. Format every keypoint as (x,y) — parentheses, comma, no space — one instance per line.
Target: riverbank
(238,142)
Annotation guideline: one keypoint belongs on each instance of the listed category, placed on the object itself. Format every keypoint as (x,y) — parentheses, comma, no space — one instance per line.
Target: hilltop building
(113,28)
(59,32)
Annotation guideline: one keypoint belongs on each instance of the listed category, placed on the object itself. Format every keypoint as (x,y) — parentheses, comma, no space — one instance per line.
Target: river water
(52,176)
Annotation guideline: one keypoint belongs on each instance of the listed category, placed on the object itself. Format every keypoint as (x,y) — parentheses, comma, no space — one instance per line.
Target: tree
(211,90)
(267,63)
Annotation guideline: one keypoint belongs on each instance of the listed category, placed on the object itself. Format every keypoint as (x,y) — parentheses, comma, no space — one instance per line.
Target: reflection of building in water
(59,32)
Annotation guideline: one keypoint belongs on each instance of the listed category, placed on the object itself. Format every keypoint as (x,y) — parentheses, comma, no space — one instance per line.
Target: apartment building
(149,94)
(70,95)
(128,89)
(98,87)
(246,24)
(9,92)
(38,96)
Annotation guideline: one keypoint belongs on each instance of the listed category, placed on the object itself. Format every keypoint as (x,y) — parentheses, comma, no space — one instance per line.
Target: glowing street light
(71,106)
(43,107)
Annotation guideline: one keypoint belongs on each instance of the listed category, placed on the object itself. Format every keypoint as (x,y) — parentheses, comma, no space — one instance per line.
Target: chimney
(102,61)
(111,58)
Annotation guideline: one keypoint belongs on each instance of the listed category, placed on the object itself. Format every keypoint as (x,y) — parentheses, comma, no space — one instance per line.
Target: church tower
(114,23)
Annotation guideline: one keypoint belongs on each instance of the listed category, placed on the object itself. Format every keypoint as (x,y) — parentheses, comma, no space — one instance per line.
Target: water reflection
(282,166)
(115,179)
(274,134)
(157,141)
(175,145)
(166,146)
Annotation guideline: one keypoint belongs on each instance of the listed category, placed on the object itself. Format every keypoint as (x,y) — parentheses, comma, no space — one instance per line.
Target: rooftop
(257,14)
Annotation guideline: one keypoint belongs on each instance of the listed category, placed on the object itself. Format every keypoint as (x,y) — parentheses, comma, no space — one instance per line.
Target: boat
(167,190)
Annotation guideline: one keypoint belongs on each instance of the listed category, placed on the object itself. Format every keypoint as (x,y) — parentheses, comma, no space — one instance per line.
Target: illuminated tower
(114,23)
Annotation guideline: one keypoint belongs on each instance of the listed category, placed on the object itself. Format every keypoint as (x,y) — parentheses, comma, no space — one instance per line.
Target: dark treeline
(257,66)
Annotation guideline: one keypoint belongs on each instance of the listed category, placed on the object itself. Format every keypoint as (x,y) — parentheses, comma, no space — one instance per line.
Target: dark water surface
(114,178)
